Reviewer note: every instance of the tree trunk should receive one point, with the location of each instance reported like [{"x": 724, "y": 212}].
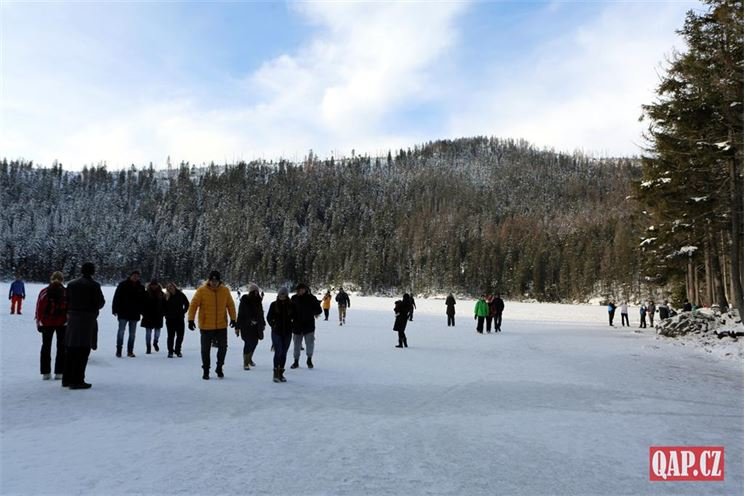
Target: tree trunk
[{"x": 736, "y": 254}]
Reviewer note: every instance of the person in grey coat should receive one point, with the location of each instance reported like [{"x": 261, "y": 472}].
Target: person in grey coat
[{"x": 84, "y": 300}]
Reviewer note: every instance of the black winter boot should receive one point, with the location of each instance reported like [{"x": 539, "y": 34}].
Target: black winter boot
[
  {"x": 206, "y": 375},
  {"x": 219, "y": 373},
  {"x": 294, "y": 365},
  {"x": 309, "y": 363},
  {"x": 276, "y": 375},
  {"x": 118, "y": 351},
  {"x": 282, "y": 375}
]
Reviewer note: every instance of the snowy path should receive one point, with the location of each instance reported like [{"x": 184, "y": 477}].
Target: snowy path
[{"x": 557, "y": 404}]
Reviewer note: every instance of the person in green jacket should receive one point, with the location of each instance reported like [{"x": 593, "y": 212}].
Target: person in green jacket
[{"x": 479, "y": 313}]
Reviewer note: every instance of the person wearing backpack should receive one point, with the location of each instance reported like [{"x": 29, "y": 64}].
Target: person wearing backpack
[
  {"x": 342, "y": 301},
  {"x": 51, "y": 319}
]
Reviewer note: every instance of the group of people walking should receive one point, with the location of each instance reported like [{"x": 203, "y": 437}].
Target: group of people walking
[
  {"x": 646, "y": 312},
  {"x": 71, "y": 313}
]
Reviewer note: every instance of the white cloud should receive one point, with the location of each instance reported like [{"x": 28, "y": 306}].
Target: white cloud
[
  {"x": 334, "y": 93},
  {"x": 583, "y": 90}
]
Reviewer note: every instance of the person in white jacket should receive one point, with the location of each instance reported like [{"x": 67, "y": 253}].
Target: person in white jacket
[{"x": 624, "y": 313}]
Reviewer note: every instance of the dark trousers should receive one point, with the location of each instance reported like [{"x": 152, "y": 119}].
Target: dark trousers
[
  {"x": 249, "y": 343},
  {"x": 76, "y": 360},
  {"x": 326, "y": 313},
  {"x": 480, "y": 324},
  {"x": 402, "y": 339},
  {"x": 45, "y": 362},
  {"x": 625, "y": 318},
  {"x": 650, "y": 316},
  {"x": 643, "y": 322},
  {"x": 206, "y": 338},
  {"x": 175, "y": 329},
  {"x": 488, "y": 323},
  {"x": 411, "y": 315},
  {"x": 281, "y": 343},
  {"x": 451, "y": 320},
  {"x": 498, "y": 321},
  {"x": 611, "y": 316}
]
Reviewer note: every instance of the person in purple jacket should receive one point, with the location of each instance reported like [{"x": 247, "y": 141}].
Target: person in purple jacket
[{"x": 16, "y": 295}]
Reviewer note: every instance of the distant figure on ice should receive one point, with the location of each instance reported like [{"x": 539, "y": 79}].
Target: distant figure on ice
[
  {"x": 250, "y": 325},
  {"x": 687, "y": 307},
  {"x": 624, "y": 314},
  {"x": 413, "y": 306},
  {"x": 215, "y": 304},
  {"x": 153, "y": 310},
  {"x": 611, "y": 312},
  {"x": 326, "y": 305},
  {"x": 450, "y": 309},
  {"x": 643, "y": 316},
  {"x": 129, "y": 298},
  {"x": 16, "y": 295},
  {"x": 307, "y": 309},
  {"x": 342, "y": 301},
  {"x": 650, "y": 312},
  {"x": 51, "y": 318},
  {"x": 176, "y": 306},
  {"x": 84, "y": 300},
  {"x": 664, "y": 310},
  {"x": 499, "y": 306},
  {"x": 279, "y": 317},
  {"x": 490, "y": 315},
  {"x": 402, "y": 309},
  {"x": 480, "y": 312}
]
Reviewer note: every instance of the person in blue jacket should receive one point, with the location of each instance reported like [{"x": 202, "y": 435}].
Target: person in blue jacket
[{"x": 16, "y": 295}]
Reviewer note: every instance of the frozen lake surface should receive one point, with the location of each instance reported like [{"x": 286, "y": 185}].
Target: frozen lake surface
[{"x": 558, "y": 403}]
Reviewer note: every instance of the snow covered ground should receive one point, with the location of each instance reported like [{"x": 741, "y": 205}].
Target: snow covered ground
[{"x": 559, "y": 403}]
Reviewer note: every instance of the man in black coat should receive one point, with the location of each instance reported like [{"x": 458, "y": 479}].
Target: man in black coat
[
  {"x": 306, "y": 308},
  {"x": 499, "y": 308},
  {"x": 342, "y": 301},
  {"x": 84, "y": 300},
  {"x": 127, "y": 307}
]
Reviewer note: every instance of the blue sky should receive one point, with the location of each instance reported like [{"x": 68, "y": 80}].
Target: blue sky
[{"x": 136, "y": 82}]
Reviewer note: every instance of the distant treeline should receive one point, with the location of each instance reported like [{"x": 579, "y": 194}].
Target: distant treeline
[{"x": 466, "y": 215}]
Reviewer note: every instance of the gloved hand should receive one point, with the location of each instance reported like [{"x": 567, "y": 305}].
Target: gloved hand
[
  {"x": 232, "y": 324},
  {"x": 38, "y": 327},
  {"x": 237, "y": 333},
  {"x": 192, "y": 325},
  {"x": 474, "y": 317}
]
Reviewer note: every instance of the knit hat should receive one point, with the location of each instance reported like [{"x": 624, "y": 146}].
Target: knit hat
[
  {"x": 215, "y": 275},
  {"x": 57, "y": 277},
  {"x": 282, "y": 291},
  {"x": 134, "y": 272},
  {"x": 302, "y": 286},
  {"x": 253, "y": 287}
]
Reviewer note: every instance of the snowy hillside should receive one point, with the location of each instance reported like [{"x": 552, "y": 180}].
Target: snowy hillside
[{"x": 558, "y": 403}]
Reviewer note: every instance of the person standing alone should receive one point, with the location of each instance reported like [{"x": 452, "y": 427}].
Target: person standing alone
[
  {"x": 450, "y": 305},
  {"x": 215, "y": 304},
  {"x": 129, "y": 298},
  {"x": 402, "y": 310},
  {"x": 84, "y": 300},
  {"x": 342, "y": 301},
  {"x": 16, "y": 295}
]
